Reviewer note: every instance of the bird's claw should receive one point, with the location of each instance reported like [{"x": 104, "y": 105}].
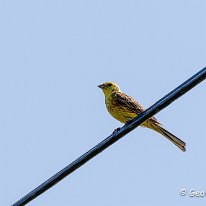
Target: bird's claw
[{"x": 116, "y": 130}]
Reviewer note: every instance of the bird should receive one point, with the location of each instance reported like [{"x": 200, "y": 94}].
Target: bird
[{"x": 125, "y": 108}]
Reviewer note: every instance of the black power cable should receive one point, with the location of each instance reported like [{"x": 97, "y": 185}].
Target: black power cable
[{"x": 155, "y": 108}]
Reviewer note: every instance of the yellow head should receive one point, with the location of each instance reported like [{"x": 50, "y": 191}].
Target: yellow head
[{"x": 109, "y": 87}]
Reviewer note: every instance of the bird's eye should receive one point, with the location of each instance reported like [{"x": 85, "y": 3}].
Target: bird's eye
[{"x": 109, "y": 85}]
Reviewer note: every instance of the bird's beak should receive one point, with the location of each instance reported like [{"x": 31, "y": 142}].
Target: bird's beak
[{"x": 101, "y": 86}]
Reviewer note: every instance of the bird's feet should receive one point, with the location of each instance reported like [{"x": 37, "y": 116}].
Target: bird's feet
[{"x": 116, "y": 130}]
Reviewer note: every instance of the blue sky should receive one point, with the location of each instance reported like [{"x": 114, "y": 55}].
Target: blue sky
[{"x": 53, "y": 56}]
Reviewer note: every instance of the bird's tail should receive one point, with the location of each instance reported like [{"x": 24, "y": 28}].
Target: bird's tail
[{"x": 175, "y": 140}]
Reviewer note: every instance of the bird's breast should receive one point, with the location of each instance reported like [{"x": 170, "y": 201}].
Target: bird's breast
[{"x": 117, "y": 111}]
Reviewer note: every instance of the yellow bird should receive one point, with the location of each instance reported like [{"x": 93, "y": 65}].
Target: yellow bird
[{"x": 124, "y": 108}]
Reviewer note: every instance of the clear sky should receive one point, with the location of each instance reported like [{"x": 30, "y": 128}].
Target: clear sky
[{"x": 53, "y": 56}]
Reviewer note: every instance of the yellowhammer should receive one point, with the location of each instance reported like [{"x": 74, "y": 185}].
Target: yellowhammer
[{"x": 124, "y": 108}]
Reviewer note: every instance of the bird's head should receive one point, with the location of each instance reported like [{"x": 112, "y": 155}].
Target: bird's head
[{"x": 109, "y": 87}]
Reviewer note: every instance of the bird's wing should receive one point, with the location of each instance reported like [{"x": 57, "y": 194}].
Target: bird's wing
[
  {"x": 132, "y": 105},
  {"x": 128, "y": 102}
]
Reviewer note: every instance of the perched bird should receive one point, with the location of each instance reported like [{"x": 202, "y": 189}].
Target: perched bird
[{"x": 124, "y": 108}]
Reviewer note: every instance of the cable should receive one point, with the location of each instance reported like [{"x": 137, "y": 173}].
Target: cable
[{"x": 155, "y": 108}]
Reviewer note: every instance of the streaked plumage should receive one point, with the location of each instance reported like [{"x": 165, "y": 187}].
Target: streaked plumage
[{"x": 124, "y": 108}]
